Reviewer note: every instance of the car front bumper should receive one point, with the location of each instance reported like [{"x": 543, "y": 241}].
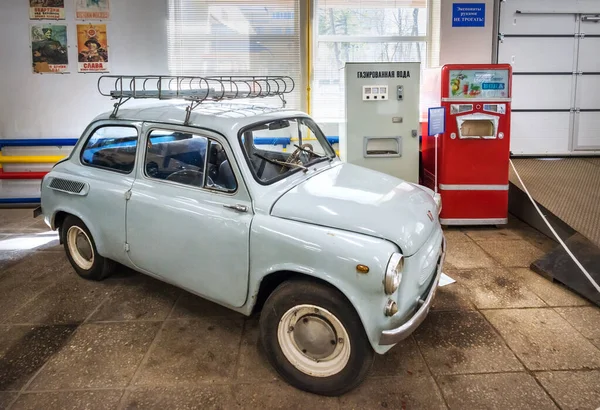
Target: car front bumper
[{"x": 393, "y": 336}]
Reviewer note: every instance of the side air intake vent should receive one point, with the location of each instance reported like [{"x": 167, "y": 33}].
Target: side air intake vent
[{"x": 66, "y": 185}]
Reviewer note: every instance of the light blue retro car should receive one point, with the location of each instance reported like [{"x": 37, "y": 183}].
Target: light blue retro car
[{"x": 343, "y": 262}]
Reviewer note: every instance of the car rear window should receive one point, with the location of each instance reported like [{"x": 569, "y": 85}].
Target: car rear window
[{"x": 111, "y": 147}]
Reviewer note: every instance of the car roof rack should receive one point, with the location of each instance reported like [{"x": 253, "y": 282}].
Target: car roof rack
[{"x": 194, "y": 89}]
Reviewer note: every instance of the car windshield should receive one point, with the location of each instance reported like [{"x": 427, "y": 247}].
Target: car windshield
[{"x": 277, "y": 148}]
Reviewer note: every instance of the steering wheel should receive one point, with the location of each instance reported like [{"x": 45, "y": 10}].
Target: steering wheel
[
  {"x": 295, "y": 156},
  {"x": 187, "y": 176},
  {"x": 152, "y": 169}
]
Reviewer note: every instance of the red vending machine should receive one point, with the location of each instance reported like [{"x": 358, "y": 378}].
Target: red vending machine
[{"x": 473, "y": 152}]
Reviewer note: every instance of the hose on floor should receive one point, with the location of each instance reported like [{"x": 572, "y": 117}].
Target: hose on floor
[{"x": 579, "y": 265}]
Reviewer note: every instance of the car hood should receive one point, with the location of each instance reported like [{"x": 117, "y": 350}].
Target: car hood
[{"x": 360, "y": 200}]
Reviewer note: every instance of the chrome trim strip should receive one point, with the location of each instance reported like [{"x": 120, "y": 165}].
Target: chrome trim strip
[
  {"x": 393, "y": 336},
  {"x": 473, "y": 187},
  {"x": 466, "y": 221},
  {"x": 475, "y": 101}
]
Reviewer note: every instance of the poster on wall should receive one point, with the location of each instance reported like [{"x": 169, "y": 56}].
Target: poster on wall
[
  {"x": 92, "y": 9},
  {"x": 49, "y": 48},
  {"x": 47, "y": 9},
  {"x": 92, "y": 48}
]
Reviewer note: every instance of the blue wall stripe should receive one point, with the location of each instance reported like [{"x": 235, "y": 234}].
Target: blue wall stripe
[
  {"x": 19, "y": 200},
  {"x": 42, "y": 142}
]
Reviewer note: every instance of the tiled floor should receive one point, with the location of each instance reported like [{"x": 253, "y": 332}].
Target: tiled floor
[{"x": 501, "y": 337}]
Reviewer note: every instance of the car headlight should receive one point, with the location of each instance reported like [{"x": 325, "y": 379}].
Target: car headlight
[{"x": 393, "y": 273}]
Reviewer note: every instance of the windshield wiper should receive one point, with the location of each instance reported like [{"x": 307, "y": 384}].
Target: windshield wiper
[
  {"x": 309, "y": 151},
  {"x": 285, "y": 164}
]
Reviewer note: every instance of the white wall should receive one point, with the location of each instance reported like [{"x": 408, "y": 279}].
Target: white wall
[
  {"x": 61, "y": 105},
  {"x": 466, "y": 45}
]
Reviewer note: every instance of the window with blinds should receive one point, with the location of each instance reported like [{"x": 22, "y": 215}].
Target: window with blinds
[
  {"x": 228, "y": 37},
  {"x": 364, "y": 31}
]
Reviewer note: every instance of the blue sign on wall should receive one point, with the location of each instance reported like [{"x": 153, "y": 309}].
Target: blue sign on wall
[
  {"x": 468, "y": 15},
  {"x": 436, "y": 122}
]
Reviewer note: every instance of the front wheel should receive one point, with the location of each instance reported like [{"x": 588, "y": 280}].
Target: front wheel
[{"x": 314, "y": 339}]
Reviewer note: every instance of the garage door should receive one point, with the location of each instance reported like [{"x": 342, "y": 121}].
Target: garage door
[{"x": 553, "y": 48}]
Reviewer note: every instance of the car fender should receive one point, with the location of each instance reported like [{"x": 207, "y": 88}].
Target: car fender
[{"x": 327, "y": 254}]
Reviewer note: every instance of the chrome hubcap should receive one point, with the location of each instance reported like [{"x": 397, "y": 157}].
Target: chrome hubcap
[
  {"x": 314, "y": 340},
  {"x": 80, "y": 247},
  {"x": 83, "y": 246},
  {"x": 315, "y": 337}
]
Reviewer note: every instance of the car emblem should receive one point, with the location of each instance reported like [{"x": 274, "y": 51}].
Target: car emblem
[{"x": 430, "y": 215}]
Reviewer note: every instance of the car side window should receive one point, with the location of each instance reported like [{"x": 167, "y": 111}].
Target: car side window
[
  {"x": 111, "y": 147},
  {"x": 176, "y": 156},
  {"x": 220, "y": 174}
]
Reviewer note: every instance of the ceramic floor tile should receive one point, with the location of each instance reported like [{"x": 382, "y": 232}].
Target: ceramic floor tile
[
  {"x": 467, "y": 255},
  {"x": 585, "y": 319},
  {"x": 189, "y": 352},
  {"x": 68, "y": 301},
  {"x": 10, "y": 258},
  {"x": 405, "y": 392},
  {"x": 69, "y": 400},
  {"x": 138, "y": 298},
  {"x": 279, "y": 395},
  {"x": 454, "y": 235},
  {"x": 253, "y": 364},
  {"x": 457, "y": 342},
  {"x": 553, "y": 294},
  {"x": 573, "y": 389},
  {"x": 161, "y": 398},
  {"x": 453, "y": 296},
  {"x": 517, "y": 253},
  {"x": 543, "y": 340},
  {"x": 495, "y": 287},
  {"x": 6, "y": 398},
  {"x": 14, "y": 220},
  {"x": 515, "y": 391},
  {"x": 486, "y": 233},
  {"x": 402, "y": 359},
  {"x": 190, "y": 306},
  {"x": 25, "y": 349},
  {"x": 16, "y": 295},
  {"x": 100, "y": 355}
]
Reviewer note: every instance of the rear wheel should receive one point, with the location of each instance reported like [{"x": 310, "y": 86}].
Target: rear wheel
[
  {"x": 81, "y": 251},
  {"x": 314, "y": 339}
]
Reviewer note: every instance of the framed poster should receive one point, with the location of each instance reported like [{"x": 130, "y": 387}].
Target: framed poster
[
  {"x": 47, "y": 9},
  {"x": 49, "y": 48},
  {"x": 92, "y": 9},
  {"x": 92, "y": 48}
]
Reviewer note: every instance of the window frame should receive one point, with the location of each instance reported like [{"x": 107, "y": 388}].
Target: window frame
[
  {"x": 105, "y": 125},
  {"x": 194, "y": 131},
  {"x": 316, "y": 39},
  {"x": 292, "y": 171}
]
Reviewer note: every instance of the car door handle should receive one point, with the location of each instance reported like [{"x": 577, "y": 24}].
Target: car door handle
[{"x": 237, "y": 207}]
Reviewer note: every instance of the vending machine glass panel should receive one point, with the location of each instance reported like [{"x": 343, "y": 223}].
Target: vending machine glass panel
[{"x": 478, "y": 84}]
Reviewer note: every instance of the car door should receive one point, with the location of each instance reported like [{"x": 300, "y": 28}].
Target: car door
[
  {"x": 107, "y": 158},
  {"x": 189, "y": 214}
]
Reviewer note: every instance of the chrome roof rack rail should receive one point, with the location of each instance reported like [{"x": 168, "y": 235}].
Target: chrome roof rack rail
[{"x": 194, "y": 89}]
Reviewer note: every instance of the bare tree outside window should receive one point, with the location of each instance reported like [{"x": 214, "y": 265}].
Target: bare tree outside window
[{"x": 371, "y": 32}]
